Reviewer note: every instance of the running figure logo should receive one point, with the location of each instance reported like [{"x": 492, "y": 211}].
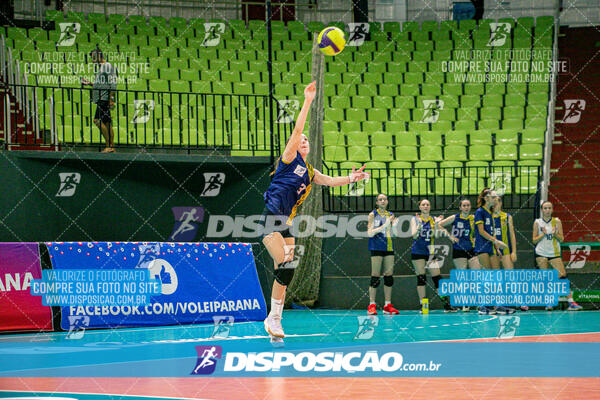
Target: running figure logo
[
  {"x": 212, "y": 35},
  {"x": 68, "y": 33},
  {"x": 499, "y": 31},
  {"x": 68, "y": 183},
  {"x": 438, "y": 253},
  {"x": 77, "y": 325},
  {"x": 579, "y": 255},
  {"x": 573, "y": 109},
  {"x": 143, "y": 110},
  {"x": 500, "y": 182},
  {"x": 431, "y": 111},
  {"x": 207, "y": 359},
  {"x": 287, "y": 111},
  {"x": 358, "y": 33},
  {"x": 148, "y": 253},
  {"x": 223, "y": 324},
  {"x": 187, "y": 220},
  {"x": 366, "y": 327},
  {"x": 212, "y": 183},
  {"x": 298, "y": 252},
  {"x": 508, "y": 326}
]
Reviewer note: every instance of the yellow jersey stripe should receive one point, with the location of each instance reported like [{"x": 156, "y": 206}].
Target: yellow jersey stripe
[
  {"x": 554, "y": 239},
  {"x": 311, "y": 175}
]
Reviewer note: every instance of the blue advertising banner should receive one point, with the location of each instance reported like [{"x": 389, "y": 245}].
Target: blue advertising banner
[{"x": 119, "y": 284}]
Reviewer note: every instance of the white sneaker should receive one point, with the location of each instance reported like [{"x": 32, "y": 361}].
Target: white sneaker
[{"x": 273, "y": 326}]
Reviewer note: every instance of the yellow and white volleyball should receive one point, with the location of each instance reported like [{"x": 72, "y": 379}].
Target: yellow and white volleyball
[{"x": 331, "y": 40}]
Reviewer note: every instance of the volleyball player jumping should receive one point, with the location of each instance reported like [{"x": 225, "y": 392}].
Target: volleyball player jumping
[{"x": 292, "y": 182}]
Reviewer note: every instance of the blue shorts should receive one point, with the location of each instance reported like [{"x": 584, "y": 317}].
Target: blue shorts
[
  {"x": 270, "y": 228},
  {"x": 487, "y": 248}
]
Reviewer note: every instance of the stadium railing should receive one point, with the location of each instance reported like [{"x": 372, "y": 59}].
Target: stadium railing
[
  {"x": 236, "y": 123},
  {"x": 443, "y": 187}
]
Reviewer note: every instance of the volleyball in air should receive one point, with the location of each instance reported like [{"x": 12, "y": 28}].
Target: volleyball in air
[{"x": 331, "y": 40}]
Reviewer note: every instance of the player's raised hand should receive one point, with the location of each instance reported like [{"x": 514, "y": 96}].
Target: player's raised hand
[
  {"x": 310, "y": 91},
  {"x": 358, "y": 175},
  {"x": 419, "y": 224}
]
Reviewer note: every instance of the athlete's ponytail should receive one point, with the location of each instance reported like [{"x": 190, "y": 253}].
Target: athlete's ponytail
[
  {"x": 481, "y": 198},
  {"x": 275, "y": 166}
]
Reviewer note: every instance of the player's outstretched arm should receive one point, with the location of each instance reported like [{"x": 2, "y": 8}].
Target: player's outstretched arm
[
  {"x": 294, "y": 142},
  {"x": 333, "y": 181},
  {"x": 446, "y": 221}
]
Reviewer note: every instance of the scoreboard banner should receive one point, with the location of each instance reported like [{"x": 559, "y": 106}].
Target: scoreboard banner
[
  {"x": 19, "y": 310},
  {"x": 129, "y": 284}
]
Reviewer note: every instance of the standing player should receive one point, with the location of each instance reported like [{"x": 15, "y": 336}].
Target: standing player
[
  {"x": 291, "y": 183},
  {"x": 381, "y": 247},
  {"x": 423, "y": 228},
  {"x": 504, "y": 231},
  {"x": 547, "y": 235},
  {"x": 485, "y": 241},
  {"x": 463, "y": 238}
]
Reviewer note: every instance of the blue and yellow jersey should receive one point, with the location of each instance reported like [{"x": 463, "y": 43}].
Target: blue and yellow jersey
[
  {"x": 424, "y": 242},
  {"x": 502, "y": 232},
  {"x": 464, "y": 230},
  {"x": 289, "y": 188},
  {"x": 484, "y": 216},
  {"x": 383, "y": 240}
]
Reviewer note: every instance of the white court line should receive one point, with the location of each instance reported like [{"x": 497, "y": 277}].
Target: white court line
[
  {"x": 515, "y": 337},
  {"x": 230, "y": 338},
  {"x": 99, "y": 394}
]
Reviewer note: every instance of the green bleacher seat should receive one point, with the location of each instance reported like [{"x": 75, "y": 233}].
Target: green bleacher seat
[
  {"x": 451, "y": 168},
  {"x": 446, "y": 186},
  {"x": 507, "y": 137},
  {"x": 358, "y": 153},
  {"x": 531, "y": 152},
  {"x": 505, "y": 152},
  {"x": 392, "y": 187},
  {"x": 382, "y": 153},
  {"x": 418, "y": 187},
  {"x": 382, "y": 139},
  {"x": 356, "y": 138},
  {"x": 472, "y": 185},
  {"x": 431, "y": 153},
  {"x": 406, "y": 153},
  {"x": 526, "y": 184}
]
